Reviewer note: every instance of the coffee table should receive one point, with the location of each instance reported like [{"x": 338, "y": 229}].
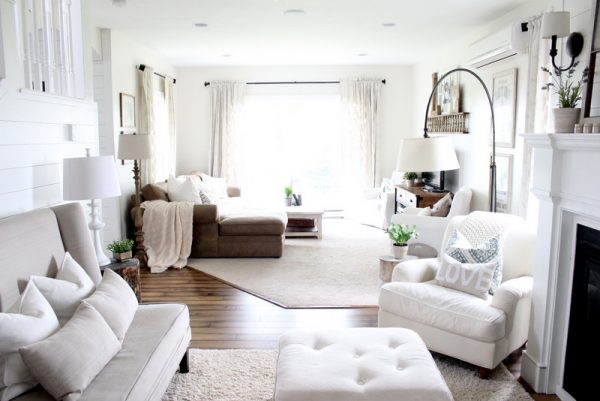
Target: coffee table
[{"x": 309, "y": 213}]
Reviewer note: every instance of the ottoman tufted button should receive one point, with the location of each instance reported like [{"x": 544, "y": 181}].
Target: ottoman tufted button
[
  {"x": 355, "y": 356},
  {"x": 360, "y": 382},
  {"x": 399, "y": 368}
]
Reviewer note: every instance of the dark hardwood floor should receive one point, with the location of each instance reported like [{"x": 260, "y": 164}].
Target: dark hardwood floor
[{"x": 224, "y": 317}]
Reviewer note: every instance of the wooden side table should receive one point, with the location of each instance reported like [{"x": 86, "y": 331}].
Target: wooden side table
[
  {"x": 130, "y": 271},
  {"x": 387, "y": 263}
]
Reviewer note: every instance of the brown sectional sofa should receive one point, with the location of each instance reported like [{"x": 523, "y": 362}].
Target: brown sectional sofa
[{"x": 239, "y": 234}]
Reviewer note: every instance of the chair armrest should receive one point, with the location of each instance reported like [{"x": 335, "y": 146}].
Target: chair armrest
[
  {"x": 234, "y": 191},
  {"x": 508, "y": 294},
  {"x": 371, "y": 193},
  {"x": 416, "y": 270},
  {"x": 206, "y": 214},
  {"x": 412, "y": 211}
]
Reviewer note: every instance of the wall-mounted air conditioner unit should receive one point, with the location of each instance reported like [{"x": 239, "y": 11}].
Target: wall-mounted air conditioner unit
[{"x": 498, "y": 46}]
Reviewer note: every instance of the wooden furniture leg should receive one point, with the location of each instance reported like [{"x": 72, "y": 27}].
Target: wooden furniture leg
[
  {"x": 184, "y": 365},
  {"x": 484, "y": 373}
]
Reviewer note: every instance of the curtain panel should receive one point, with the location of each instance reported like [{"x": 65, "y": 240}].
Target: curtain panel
[
  {"x": 147, "y": 123},
  {"x": 170, "y": 103},
  {"x": 227, "y": 99},
  {"x": 360, "y": 99}
]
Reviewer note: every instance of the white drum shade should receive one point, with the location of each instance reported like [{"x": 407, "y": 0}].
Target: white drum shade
[
  {"x": 134, "y": 147},
  {"x": 90, "y": 178},
  {"x": 556, "y": 23},
  {"x": 427, "y": 154}
]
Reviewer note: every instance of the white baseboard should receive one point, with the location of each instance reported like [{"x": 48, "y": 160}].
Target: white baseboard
[{"x": 535, "y": 374}]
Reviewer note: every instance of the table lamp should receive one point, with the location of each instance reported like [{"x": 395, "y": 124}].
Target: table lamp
[
  {"x": 137, "y": 148},
  {"x": 91, "y": 177}
]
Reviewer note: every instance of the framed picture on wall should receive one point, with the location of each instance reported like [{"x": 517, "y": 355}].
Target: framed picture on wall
[
  {"x": 127, "y": 106},
  {"x": 448, "y": 94},
  {"x": 504, "y": 173},
  {"x": 505, "y": 101}
]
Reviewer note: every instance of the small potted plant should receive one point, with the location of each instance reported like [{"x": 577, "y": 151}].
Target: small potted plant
[
  {"x": 400, "y": 234},
  {"x": 289, "y": 191},
  {"x": 410, "y": 178},
  {"x": 121, "y": 250},
  {"x": 569, "y": 94}
]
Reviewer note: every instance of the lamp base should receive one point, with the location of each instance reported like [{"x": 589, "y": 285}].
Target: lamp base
[{"x": 96, "y": 226}]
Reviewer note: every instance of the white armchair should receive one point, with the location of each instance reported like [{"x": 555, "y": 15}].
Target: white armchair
[
  {"x": 377, "y": 207},
  {"x": 454, "y": 323},
  {"x": 431, "y": 228}
]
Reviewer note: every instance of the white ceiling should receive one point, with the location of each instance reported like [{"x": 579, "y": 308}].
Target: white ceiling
[{"x": 257, "y": 32}]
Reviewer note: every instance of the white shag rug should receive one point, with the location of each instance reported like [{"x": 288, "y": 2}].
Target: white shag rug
[
  {"x": 341, "y": 270},
  {"x": 249, "y": 375}
]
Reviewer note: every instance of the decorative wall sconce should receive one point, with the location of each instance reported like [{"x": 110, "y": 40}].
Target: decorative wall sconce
[{"x": 556, "y": 24}]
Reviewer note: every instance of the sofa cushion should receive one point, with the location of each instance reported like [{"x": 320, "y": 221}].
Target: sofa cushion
[
  {"x": 150, "y": 354},
  {"x": 66, "y": 362},
  {"x": 444, "y": 308},
  {"x": 115, "y": 301},
  {"x": 253, "y": 224},
  {"x": 152, "y": 192}
]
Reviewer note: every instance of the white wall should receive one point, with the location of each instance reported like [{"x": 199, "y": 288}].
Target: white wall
[
  {"x": 194, "y": 112},
  {"x": 38, "y": 130},
  {"x": 115, "y": 72},
  {"x": 474, "y": 149}
]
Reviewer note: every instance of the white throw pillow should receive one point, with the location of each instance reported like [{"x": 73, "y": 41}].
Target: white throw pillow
[
  {"x": 71, "y": 285},
  {"x": 182, "y": 189},
  {"x": 215, "y": 186},
  {"x": 66, "y": 362},
  {"x": 29, "y": 320},
  {"x": 115, "y": 301},
  {"x": 424, "y": 212},
  {"x": 472, "y": 278}
]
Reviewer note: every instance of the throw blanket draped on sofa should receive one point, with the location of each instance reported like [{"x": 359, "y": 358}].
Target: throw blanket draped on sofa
[{"x": 167, "y": 234}]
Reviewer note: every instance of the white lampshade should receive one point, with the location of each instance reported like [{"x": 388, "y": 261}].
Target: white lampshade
[
  {"x": 556, "y": 23},
  {"x": 90, "y": 178},
  {"x": 134, "y": 147},
  {"x": 427, "y": 154}
]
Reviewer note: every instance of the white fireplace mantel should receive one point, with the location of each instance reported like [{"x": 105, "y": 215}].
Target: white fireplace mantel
[{"x": 566, "y": 180}]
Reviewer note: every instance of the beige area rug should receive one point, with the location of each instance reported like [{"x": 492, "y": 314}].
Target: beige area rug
[
  {"x": 249, "y": 375},
  {"x": 341, "y": 270}
]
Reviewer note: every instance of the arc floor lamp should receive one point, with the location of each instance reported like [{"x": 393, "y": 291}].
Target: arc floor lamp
[{"x": 492, "y": 188}]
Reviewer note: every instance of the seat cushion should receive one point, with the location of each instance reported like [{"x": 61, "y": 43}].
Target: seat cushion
[
  {"x": 444, "y": 308},
  {"x": 248, "y": 223},
  {"x": 357, "y": 364}
]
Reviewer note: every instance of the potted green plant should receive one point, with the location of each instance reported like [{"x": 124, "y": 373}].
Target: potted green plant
[
  {"x": 121, "y": 249},
  {"x": 288, "y": 191},
  {"x": 400, "y": 234},
  {"x": 410, "y": 178},
  {"x": 569, "y": 93}
]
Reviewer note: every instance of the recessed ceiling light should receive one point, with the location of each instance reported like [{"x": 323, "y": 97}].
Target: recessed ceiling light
[
  {"x": 226, "y": 55},
  {"x": 294, "y": 11},
  {"x": 362, "y": 54},
  {"x": 388, "y": 24},
  {"x": 201, "y": 24}
]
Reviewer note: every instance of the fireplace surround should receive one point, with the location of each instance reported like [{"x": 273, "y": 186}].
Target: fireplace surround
[{"x": 564, "y": 170}]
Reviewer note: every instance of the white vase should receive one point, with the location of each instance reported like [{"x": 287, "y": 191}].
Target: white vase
[
  {"x": 565, "y": 119},
  {"x": 399, "y": 251}
]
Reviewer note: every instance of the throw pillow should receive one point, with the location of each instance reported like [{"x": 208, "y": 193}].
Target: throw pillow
[
  {"x": 115, "y": 301},
  {"x": 215, "y": 186},
  {"x": 66, "y": 362},
  {"x": 182, "y": 189},
  {"x": 442, "y": 207},
  {"x": 67, "y": 290},
  {"x": 472, "y": 278},
  {"x": 424, "y": 212},
  {"x": 204, "y": 197},
  {"x": 488, "y": 251},
  {"x": 29, "y": 320}
]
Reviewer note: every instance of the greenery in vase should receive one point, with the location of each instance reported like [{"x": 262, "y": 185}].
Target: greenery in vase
[
  {"x": 401, "y": 233},
  {"x": 120, "y": 246},
  {"x": 288, "y": 190},
  {"x": 409, "y": 175},
  {"x": 568, "y": 90}
]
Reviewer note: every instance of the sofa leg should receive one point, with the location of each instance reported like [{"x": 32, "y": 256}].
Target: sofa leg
[
  {"x": 184, "y": 365},
  {"x": 484, "y": 373}
]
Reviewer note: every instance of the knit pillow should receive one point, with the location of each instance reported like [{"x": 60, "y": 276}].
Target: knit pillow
[{"x": 488, "y": 251}]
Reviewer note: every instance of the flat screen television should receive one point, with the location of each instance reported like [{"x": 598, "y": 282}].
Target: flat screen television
[{"x": 433, "y": 180}]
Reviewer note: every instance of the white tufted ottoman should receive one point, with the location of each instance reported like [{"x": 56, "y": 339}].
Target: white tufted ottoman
[{"x": 366, "y": 364}]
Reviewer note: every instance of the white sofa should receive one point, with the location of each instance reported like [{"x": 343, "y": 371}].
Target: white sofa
[
  {"x": 482, "y": 332},
  {"x": 431, "y": 228},
  {"x": 156, "y": 343}
]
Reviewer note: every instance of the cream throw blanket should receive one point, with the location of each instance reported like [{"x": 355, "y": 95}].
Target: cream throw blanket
[{"x": 167, "y": 234}]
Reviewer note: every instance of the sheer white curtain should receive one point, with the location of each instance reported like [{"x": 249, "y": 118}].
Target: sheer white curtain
[
  {"x": 537, "y": 105},
  {"x": 170, "y": 106},
  {"x": 227, "y": 99},
  {"x": 147, "y": 122},
  {"x": 360, "y": 101},
  {"x": 164, "y": 129}
]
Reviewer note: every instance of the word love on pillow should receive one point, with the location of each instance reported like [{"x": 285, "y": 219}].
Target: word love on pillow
[{"x": 472, "y": 278}]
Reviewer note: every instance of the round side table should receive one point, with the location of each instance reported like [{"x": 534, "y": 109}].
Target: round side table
[
  {"x": 387, "y": 264},
  {"x": 130, "y": 271}
]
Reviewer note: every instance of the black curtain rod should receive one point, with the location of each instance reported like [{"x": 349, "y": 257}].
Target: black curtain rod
[
  {"x": 142, "y": 67},
  {"x": 291, "y": 82}
]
